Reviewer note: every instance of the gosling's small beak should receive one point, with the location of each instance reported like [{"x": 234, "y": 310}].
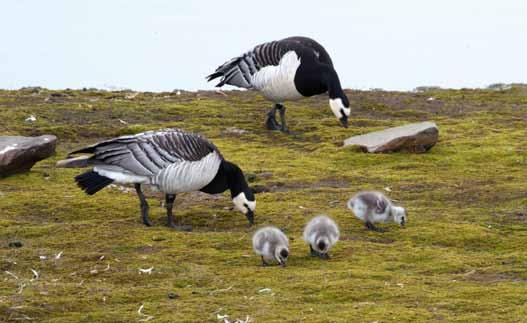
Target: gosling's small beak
[
  {"x": 250, "y": 216},
  {"x": 344, "y": 121}
]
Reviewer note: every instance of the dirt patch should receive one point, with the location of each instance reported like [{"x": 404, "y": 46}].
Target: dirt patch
[
  {"x": 148, "y": 249},
  {"x": 515, "y": 216},
  {"x": 381, "y": 240},
  {"x": 296, "y": 186},
  {"x": 486, "y": 277}
]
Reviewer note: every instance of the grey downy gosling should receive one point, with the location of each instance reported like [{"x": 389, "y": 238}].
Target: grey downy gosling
[
  {"x": 172, "y": 161},
  {"x": 373, "y": 207},
  {"x": 321, "y": 233},
  {"x": 272, "y": 245}
]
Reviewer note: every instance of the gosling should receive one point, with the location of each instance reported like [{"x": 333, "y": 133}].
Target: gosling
[
  {"x": 272, "y": 245},
  {"x": 321, "y": 233},
  {"x": 373, "y": 207}
]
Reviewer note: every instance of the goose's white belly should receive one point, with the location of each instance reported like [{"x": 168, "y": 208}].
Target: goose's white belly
[{"x": 277, "y": 83}]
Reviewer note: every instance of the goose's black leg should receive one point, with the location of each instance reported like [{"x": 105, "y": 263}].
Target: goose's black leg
[
  {"x": 144, "y": 205},
  {"x": 371, "y": 227},
  {"x": 281, "y": 110},
  {"x": 271, "y": 122},
  {"x": 324, "y": 256},
  {"x": 169, "y": 201}
]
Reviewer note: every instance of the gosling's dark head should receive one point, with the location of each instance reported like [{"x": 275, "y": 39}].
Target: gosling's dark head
[
  {"x": 322, "y": 245},
  {"x": 281, "y": 255}
]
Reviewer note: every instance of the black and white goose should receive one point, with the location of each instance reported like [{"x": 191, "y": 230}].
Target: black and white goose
[
  {"x": 287, "y": 69},
  {"x": 172, "y": 160}
]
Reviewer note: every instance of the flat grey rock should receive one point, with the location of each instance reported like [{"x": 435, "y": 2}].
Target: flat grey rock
[
  {"x": 415, "y": 137},
  {"x": 18, "y": 154}
]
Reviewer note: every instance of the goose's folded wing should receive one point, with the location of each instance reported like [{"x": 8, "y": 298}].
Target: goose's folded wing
[
  {"x": 239, "y": 70},
  {"x": 147, "y": 153}
]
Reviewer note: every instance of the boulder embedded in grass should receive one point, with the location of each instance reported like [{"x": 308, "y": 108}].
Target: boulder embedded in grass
[
  {"x": 18, "y": 154},
  {"x": 415, "y": 137}
]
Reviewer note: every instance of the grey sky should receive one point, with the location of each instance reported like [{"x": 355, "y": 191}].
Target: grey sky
[{"x": 163, "y": 45}]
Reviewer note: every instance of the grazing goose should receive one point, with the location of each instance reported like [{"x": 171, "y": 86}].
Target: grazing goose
[
  {"x": 272, "y": 245},
  {"x": 172, "y": 160},
  {"x": 321, "y": 233},
  {"x": 287, "y": 69},
  {"x": 372, "y": 207}
]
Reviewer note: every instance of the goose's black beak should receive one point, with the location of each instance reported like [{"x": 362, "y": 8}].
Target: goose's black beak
[
  {"x": 403, "y": 223},
  {"x": 344, "y": 121},
  {"x": 250, "y": 217}
]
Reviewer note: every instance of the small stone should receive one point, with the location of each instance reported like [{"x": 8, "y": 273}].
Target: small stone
[
  {"x": 173, "y": 296},
  {"x": 156, "y": 238},
  {"x": 251, "y": 177},
  {"x": 415, "y": 137},
  {"x": 265, "y": 175},
  {"x": 260, "y": 189},
  {"x": 15, "y": 244},
  {"x": 31, "y": 118},
  {"x": 235, "y": 131}
]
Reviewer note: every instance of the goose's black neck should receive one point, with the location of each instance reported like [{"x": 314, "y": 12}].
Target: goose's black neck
[
  {"x": 219, "y": 183},
  {"x": 317, "y": 78},
  {"x": 334, "y": 88},
  {"x": 229, "y": 176}
]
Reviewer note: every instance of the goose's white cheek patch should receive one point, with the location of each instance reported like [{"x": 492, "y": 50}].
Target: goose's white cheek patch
[
  {"x": 337, "y": 107},
  {"x": 240, "y": 201}
]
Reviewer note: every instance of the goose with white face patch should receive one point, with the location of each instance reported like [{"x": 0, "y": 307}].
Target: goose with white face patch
[
  {"x": 287, "y": 69},
  {"x": 272, "y": 245},
  {"x": 373, "y": 207},
  {"x": 172, "y": 161},
  {"x": 321, "y": 233}
]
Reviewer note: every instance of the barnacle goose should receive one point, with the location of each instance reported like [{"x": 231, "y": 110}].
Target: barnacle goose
[
  {"x": 272, "y": 245},
  {"x": 373, "y": 207},
  {"x": 287, "y": 69},
  {"x": 321, "y": 233},
  {"x": 172, "y": 160}
]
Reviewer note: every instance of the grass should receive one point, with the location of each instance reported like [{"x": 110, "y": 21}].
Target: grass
[{"x": 461, "y": 257}]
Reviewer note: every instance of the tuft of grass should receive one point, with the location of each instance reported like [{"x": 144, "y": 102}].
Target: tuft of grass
[{"x": 460, "y": 259}]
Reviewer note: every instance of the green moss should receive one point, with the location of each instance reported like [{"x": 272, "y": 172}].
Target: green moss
[{"x": 460, "y": 258}]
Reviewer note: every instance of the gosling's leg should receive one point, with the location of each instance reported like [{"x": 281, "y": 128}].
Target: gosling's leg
[
  {"x": 371, "y": 227},
  {"x": 169, "y": 201},
  {"x": 144, "y": 205},
  {"x": 312, "y": 252},
  {"x": 264, "y": 263}
]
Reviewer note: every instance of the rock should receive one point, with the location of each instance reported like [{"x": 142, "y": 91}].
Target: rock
[
  {"x": 31, "y": 118},
  {"x": 15, "y": 244},
  {"x": 18, "y": 154},
  {"x": 173, "y": 295},
  {"x": 257, "y": 189},
  {"x": 415, "y": 137},
  {"x": 250, "y": 177},
  {"x": 235, "y": 131}
]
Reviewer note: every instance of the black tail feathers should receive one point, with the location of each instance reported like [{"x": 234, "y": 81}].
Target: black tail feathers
[{"x": 91, "y": 182}]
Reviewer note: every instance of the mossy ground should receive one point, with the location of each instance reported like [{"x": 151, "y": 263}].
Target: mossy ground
[{"x": 461, "y": 258}]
